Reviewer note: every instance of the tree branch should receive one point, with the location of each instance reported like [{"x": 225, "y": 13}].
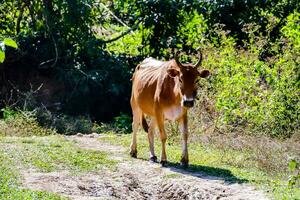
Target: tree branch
[
  {"x": 123, "y": 34},
  {"x": 20, "y": 18},
  {"x": 112, "y": 14}
]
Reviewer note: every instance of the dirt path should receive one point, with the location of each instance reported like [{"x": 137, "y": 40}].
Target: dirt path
[{"x": 136, "y": 179}]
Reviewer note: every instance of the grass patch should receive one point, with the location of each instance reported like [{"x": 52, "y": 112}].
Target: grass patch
[
  {"x": 171, "y": 176},
  {"x": 230, "y": 164},
  {"x": 25, "y": 144},
  {"x": 10, "y": 187},
  {"x": 52, "y": 153}
]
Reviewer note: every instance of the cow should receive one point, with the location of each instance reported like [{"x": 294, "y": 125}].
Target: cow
[{"x": 163, "y": 90}]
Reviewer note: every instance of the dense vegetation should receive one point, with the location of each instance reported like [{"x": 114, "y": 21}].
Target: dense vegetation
[{"x": 76, "y": 57}]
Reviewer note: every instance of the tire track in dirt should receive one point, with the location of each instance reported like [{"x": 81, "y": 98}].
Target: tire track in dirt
[{"x": 135, "y": 179}]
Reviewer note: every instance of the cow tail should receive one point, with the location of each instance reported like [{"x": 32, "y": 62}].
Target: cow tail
[{"x": 144, "y": 124}]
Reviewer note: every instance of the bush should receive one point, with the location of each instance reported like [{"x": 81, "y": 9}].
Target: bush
[
  {"x": 122, "y": 123},
  {"x": 248, "y": 92},
  {"x": 22, "y": 123}
]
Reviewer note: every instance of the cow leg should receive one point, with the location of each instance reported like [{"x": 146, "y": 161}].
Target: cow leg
[
  {"x": 184, "y": 129},
  {"x": 133, "y": 146},
  {"x": 163, "y": 138},
  {"x": 135, "y": 126},
  {"x": 151, "y": 133}
]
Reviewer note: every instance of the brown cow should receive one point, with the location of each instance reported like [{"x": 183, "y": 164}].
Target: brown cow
[{"x": 163, "y": 90}]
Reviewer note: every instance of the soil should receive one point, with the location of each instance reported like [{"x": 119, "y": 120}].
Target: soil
[{"x": 135, "y": 179}]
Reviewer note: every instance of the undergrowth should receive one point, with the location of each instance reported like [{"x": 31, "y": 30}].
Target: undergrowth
[{"x": 21, "y": 123}]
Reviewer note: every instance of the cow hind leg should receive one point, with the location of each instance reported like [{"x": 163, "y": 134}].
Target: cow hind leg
[
  {"x": 133, "y": 146},
  {"x": 135, "y": 126},
  {"x": 151, "y": 133}
]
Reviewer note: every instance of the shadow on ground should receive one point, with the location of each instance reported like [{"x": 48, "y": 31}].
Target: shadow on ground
[{"x": 201, "y": 171}]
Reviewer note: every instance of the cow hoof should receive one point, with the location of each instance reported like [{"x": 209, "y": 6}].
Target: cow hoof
[
  {"x": 164, "y": 163},
  {"x": 153, "y": 159},
  {"x": 184, "y": 164},
  {"x": 133, "y": 154}
]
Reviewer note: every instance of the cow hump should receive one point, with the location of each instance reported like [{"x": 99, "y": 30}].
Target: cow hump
[{"x": 151, "y": 62}]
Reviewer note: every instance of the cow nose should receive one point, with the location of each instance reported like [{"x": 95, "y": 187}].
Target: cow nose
[{"x": 188, "y": 103}]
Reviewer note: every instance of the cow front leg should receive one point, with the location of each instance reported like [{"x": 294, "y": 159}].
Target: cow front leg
[
  {"x": 184, "y": 130},
  {"x": 151, "y": 133},
  {"x": 163, "y": 138}
]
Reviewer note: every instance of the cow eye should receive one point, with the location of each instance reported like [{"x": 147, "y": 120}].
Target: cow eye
[{"x": 180, "y": 80}]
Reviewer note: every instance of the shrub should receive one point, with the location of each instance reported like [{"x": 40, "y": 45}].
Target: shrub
[
  {"x": 248, "y": 92},
  {"x": 122, "y": 123},
  {"x": 294, "y": 179},
  {"x": 22, "y": 123}
]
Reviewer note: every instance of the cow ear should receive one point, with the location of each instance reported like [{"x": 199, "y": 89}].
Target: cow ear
[
  {"x": 204, "y": 73},
  {"x": 173, "y": 72}
]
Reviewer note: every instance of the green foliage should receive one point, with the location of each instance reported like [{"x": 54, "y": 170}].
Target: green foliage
[
  {"x": 293, "y": 165},
  {"x": 193, "y": 31},
  {"x": 130, "y": 44},
  {"x": 262, "y": 95},
  {"x": 294, "y": 180},
  {"x": 6, "y": 42},
  {"x": 8, "y": 113},
  {"x": 21, "y": 123},
  {"x": 57, "y": 39},
  {"x": 122, "y": 123},
  {"x": 159, "y": 28},
  {"x": 64, "y": 123},
  {"x": 10, "y": 42},
  {"x": 252, "y": 49},
  {"x": 2, "y": 56}
]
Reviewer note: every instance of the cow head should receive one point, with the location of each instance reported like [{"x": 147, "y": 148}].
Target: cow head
[{"x": 186, "y": 77}]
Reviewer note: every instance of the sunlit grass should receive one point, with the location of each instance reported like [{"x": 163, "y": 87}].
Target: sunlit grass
[
  {"x": 45, "y": 154},
  {"x": 10, "y": 186},
  {"x": 53, "y": 153}
]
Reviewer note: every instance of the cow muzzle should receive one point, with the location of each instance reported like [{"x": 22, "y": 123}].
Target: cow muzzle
[{"x": 188, "y": 103}]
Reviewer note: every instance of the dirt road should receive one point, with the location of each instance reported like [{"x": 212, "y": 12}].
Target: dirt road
[{"x": 135, "y": 179}]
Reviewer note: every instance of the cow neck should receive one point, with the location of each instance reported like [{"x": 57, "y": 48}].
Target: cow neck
[{"x": 171, "y": 89}]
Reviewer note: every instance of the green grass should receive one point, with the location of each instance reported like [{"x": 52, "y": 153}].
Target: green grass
[
  {"x": 229, "y": 164},
  {"x": 172, "y": 176},
  {"x": 40, "y": 149},
  {"x": 45, "y": 154},
  {"x": 10, "y": 185},
  {"x": 51, "y": 153}
]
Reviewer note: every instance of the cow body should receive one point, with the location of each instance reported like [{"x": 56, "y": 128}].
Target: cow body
[
  {"x": 162, "y": 90},
  {"x": 153, "y": 87}
]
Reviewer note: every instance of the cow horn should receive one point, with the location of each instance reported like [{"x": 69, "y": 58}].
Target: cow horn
[
  {"x": 200, "y": 59},
  {"x": 177, "y": 58}
]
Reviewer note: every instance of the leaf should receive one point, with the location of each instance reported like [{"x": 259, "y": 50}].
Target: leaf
[
  {"x": 2, "y": 56},
  {"x": 10, "y": 42},
  {"x": 291, "y": 181},
  {"x": 2, "y": 46},
  {"x": 293, "y": 165}
]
